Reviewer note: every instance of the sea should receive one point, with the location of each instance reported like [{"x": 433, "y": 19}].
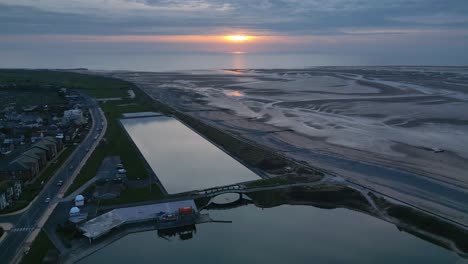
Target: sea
[{"x": 184, "y": 61}]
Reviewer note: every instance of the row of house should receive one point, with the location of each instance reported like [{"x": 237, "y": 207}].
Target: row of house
[
  {"x": 29, "y": 163},
  {"x": 9, "y": 191}
]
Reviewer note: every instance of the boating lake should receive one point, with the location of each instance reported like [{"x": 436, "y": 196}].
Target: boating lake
[
  {"x": 283, "y": 234},
  {"x": 182, "y": 159}
]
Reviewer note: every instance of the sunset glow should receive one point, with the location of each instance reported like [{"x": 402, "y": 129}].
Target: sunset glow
[{"x": 237, "y": 38}]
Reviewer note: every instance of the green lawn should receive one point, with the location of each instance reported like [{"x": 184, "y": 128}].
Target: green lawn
[
  {"x": 136, "y": 195},
  {"x": 40, "y": 80},
  {"x": 22, "y": 97},
  {"x": 39, "y": 249},
  {"x": 30, "y": 191}
]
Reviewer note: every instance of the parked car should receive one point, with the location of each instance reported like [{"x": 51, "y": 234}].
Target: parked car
[
  {"x": 60, "y": 183},
  {"x": 47, "y": 200}
]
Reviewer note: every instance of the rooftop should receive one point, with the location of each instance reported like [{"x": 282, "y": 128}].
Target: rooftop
[{"x": 102, "y": 224}]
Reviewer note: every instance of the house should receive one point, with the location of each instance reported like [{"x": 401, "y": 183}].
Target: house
[
  {"x": 23, "y": 167},
  {"x": 39, "y": 154},
  {"x": 73, "y": 115},
  {"x": 6, "y": 149},
  {"x": 9, "y": 192},
  {"x": 51, "y": 140},
  {"x": 31, "y": 120},
  {"x": 18, "y": 166},
  {"x": 3, "y": 201},
  {"x": 28, "y": 164},
  {"x": 49, "y": 145},
  {"x": 30, "y": 108},
  {"x": 36, "y": 136},
  {"x": 17, "y": 189},
  {"x": 12, "y": 116}
]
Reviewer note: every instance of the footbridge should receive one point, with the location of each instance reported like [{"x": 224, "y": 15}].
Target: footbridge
[{"x": 235, "y": 188}]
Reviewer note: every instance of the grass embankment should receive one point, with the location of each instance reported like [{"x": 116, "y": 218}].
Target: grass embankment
[
  {"x": 417, "y": 221},
  {"x": 30, "y": 191},
  {"x": 431, "y": 225},
  {"x": 322, "y": 196},
  {"x": 39, "y": 249},
  {"x": 282, "y": 180}
]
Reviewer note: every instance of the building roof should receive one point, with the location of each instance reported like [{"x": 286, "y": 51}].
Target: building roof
[
  {"x": 44, "y": 144},
  {"x": 35, "y": 153},
  {"x": 25, "y": 161},
  {"x": 49, "y": 139},
  {"x": 104, "y": 223},
  {"x": 74, "y": 210}
]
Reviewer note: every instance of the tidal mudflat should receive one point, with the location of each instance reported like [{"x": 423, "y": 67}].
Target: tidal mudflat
[{"x": 378, "y": 126}]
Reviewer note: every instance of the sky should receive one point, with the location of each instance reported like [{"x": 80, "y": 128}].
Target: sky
[{"x": 392, "y": 31}]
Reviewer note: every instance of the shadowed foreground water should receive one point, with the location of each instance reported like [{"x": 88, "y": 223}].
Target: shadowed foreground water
[{"x": 284, "y": 234}]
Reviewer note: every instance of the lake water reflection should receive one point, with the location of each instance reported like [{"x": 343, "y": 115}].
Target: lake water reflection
[
  {"x": 283, "y": 234},
  {"x": 182, "y": 159}
]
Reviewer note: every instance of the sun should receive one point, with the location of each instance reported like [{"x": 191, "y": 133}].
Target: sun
[{"x": 237, "y": 38}]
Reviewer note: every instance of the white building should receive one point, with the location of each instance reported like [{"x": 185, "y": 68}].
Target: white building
[
  {"x": 17, "y": 190},
  {"x": 74, "y": 211},
  {"x": 73, "y": 115},
  {"x": 79, "y": 200},
  {"x": 3, "y": 201}
]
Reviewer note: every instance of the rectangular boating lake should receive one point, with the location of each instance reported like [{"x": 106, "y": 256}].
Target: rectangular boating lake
[{"x": 182, "y": 159}]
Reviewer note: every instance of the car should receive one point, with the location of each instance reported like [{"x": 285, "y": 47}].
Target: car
[
  {"x": 26, "y": 250},
  {"x": 47, "y": 200},
  {"x": 60, "y": 183},
  {"x": 87, "y": 149}
]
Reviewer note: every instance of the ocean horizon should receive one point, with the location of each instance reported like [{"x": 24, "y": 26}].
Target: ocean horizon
[{"x": 195, "y": 61}]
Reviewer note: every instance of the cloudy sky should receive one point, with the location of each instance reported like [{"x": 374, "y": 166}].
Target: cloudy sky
[{"x": 427, "y": 31}]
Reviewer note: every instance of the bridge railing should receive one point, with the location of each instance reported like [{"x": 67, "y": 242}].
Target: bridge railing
[{"x": 220, "y": 190}]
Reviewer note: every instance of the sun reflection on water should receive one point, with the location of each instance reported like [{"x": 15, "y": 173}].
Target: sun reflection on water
[{"x": 234, "y": 93}]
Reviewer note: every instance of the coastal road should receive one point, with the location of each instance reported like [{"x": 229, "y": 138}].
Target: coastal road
[{"x": 26, "y": 221}]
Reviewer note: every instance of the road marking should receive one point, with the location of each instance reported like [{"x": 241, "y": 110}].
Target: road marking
[{"x": 22, "y": 229}]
